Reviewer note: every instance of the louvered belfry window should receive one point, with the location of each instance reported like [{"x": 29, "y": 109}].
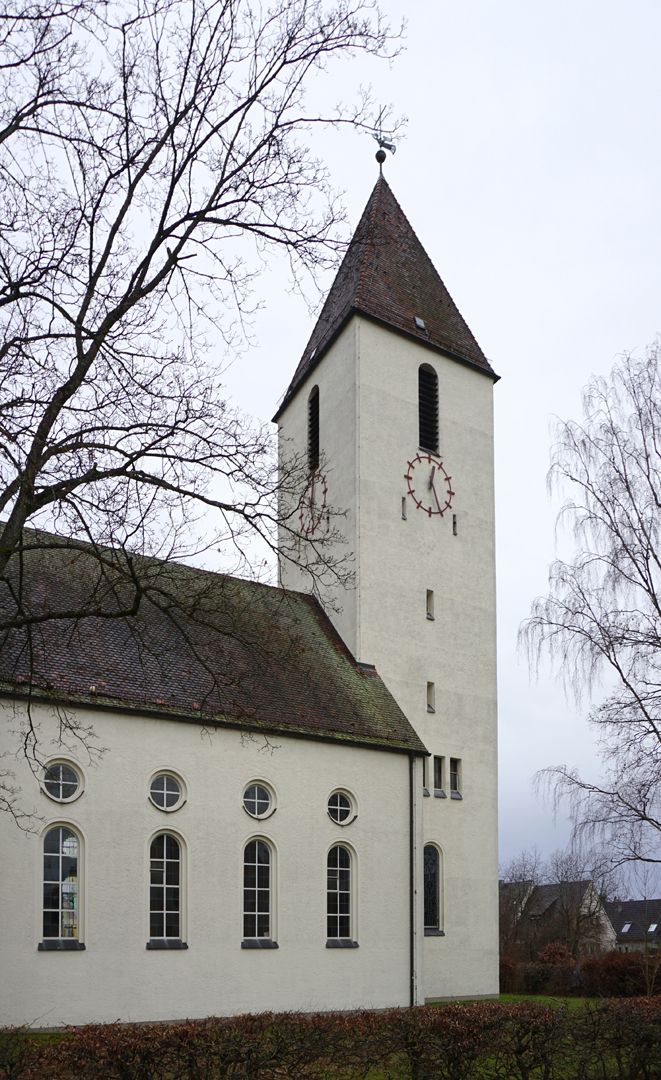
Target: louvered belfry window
[
  {"x": 313, "y": 430},
  {"x": 428, "y": 408}
]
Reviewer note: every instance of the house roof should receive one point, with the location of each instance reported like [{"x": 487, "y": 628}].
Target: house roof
[
  {"x": 639, "y": 915},
  {"x": 387, "y": 275},
  {"x": 544, "y": 897},
  {"x": 202, "y": 646}
]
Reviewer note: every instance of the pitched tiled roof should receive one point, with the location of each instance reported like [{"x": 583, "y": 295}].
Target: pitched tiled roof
[
  {"x": 544, "y": 897},
  {"x": 202, "y": 646},
  {"x": 639, "y": 915},
  {"x": 387, "y": 275}
]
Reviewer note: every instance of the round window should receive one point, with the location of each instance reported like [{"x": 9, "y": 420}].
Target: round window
[
  {"x": 61, "y": 782},
  {"x": 340, "y": 808},
  {"x": 166, "y": 791},
  {"x": 257, "y": 800}
]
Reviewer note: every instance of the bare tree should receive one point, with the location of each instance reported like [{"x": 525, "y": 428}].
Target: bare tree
[
  {"x": 154, "y": 154},
  {"x": 151, "y": 155},
  {"x": 517, "y": 881},
  {"x": 557, "y": 899},
  {"x": 602, "y": 617}
]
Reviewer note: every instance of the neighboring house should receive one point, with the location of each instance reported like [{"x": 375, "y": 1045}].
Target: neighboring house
[
  {"x": 295, "y": 808},
  {"x": 571, "y": 912},
  {"x": 636, "y": 923}
]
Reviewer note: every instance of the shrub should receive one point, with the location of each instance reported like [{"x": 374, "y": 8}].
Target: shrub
[
  {"x": 18, "y": 1052},
  {"x": 507, "y": 974},
  {"x": 532, "y": 978},
  {"x": 556, "y": 954},
  {"x": 613, "y": 974},
  {"x": 614, "y": 1039}
]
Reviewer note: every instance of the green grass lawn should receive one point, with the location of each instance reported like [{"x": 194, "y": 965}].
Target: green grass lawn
[{"x": 571, "y": 1003}]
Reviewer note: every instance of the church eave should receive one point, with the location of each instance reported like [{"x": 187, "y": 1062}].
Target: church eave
[
  {"x": 433, "y": 346},
  {"x": 252, "y": 724}
]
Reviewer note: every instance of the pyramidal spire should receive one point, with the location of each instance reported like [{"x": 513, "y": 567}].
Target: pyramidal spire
[{"x": 387, "y": 275}]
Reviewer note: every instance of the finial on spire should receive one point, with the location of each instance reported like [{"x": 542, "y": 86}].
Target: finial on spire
[{"x": 383, "y": 145}]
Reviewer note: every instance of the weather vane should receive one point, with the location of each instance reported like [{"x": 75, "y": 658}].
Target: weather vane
[{"x": 383, "y": 144}]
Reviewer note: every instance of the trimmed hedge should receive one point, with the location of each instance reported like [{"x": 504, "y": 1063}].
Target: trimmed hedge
[{"x": 612, "y": 1040}]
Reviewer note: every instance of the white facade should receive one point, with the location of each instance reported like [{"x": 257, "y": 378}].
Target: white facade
[
  {"x": 115, "y": 976},
  {"x": 421, "y": 608},
  {"x": 368, "y": 433}
]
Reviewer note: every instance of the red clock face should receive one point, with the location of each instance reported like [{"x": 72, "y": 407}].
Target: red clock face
[
  {"x": 313, "y": 504},
  {"x": 429, "y": 485}
]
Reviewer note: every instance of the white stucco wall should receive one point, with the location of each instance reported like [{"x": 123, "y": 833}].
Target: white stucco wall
[
  {"x": 116, "y": 977},
  {"x": 368, "y": 385}
]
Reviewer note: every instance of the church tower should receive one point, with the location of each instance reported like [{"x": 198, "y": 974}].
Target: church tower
[{"x": 391, "y": 408}]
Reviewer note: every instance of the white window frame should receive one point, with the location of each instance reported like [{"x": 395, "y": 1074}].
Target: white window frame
[
  {"x": 168, "y": 941},
  {"x": 183, "y": 790},
  {"x": 353, "y": 811},
  {"x": 271, "y": 937},
  {"x": 269, "y": 789},
  {"x": 62, "y": 941},
  {"x": 351, "y": 939},
  {"x": 69, "y": 765}
]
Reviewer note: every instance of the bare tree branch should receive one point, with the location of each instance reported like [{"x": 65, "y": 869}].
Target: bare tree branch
[
  {"x": 152, "y": 157},
  {"x": 602, "y": 617}
]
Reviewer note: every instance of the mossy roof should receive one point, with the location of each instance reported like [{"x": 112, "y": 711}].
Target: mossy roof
[{"x": 201, "y": 646}]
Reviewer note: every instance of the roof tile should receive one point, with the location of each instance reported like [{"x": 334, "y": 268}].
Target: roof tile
[
  {"x": 202, "y": 646},
  {"x": 387, "y": 275}
]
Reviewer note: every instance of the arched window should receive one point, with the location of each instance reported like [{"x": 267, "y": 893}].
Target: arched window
[
  {"x": 61, "y": 889},
  {"x": 313, "y": 430},
  {"x": 428, "y": 408},
  {"x": 338, "y": 894},
  {"x": 257, "y": 891},
  {"x": 432, "y": 889},
  {"x": 165, "y": 892}
]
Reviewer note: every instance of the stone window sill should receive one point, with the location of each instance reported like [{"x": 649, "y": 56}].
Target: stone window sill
[
  {"x": 166, "y": 943},
  {"x": 341, "y": 943},
  {"x": 439, "y": 793},
  {"x": 434, "y": 933},
  {"x": 259, "y": 943},
  {"x": 60, "y": 945},
  {"x": 456, "y": 795}
]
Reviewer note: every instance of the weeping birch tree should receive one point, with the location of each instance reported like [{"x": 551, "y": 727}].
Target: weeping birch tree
[{"x": 601, "y": 620}]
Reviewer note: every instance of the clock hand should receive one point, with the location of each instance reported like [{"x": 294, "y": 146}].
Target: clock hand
[
  {"x": 431, "y": 478},
  {"x": 433, "y": 487}
]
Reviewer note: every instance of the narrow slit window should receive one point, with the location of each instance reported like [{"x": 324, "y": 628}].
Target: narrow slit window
[
  {"x": 313, "y": 430},
  {"x": 428, "y": 408},
  {"x": 432, "y": 889},
  {"x": 403, "y": 508},
  {"x": 431, "y": 697},
  {"x": 455, "y": 777},
  {"x": 425, "y": 772},
  {"x": 430, "y": 603},
  {"x": 439, "y": 769}
]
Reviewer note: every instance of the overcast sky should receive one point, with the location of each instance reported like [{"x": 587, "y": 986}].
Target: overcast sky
[{"x": 531, "y": 171}]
